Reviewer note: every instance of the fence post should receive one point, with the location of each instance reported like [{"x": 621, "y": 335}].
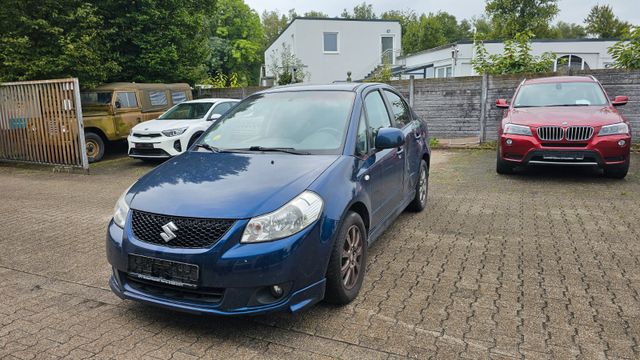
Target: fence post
[
  {"x": 79, "y": 119},
  {"x": 244, "y": 92},
  {"x": 483, "y": 107},
  {"x": 411, "y": 90}
]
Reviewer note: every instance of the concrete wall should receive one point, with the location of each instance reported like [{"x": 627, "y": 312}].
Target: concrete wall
[{"x": 453, "y": 107}]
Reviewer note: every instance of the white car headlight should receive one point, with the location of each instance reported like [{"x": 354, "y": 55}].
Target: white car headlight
[
  {"x": 614, "y": 129},
  {"x": 517, "y": 129},
  {"x": 174, "y": 132},
  {"x": 121, "y": 209},
  {"x": 291, "y": 218}
]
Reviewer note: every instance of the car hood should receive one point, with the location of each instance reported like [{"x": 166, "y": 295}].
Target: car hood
[
  {"x": 572, "y": 115},
  {"x": 226, "y": 185},
  {"x": 159, "y": 125}
]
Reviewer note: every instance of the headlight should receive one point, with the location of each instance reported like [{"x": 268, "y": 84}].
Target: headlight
[
  {"x": 293, "y": 217},
  {"x": 517, "y": 129},
  {"x": 614, "y": 129},
  {"x": 174, "y": 132},
  {"x": 121, "y": 209}
]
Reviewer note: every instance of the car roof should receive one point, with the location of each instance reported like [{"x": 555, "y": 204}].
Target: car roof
[
  {"x": 337, "y": 86},
  {"x": 557, "y": 79},
  {"x": 208, "y": 100}
]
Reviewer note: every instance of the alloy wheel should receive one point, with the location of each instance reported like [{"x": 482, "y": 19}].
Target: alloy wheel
[{"x": 352, "y": 257}]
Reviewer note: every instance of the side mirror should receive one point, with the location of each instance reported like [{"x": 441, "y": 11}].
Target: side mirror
[
  {"x": 118, "y": 105},
  {"x": 502, "y": 103},
  {"x": 620, "y": 100},
  {"x": 214, "y": 117},
  {"x": 388, "y": 138}
]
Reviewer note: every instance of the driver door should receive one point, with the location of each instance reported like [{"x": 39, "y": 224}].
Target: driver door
[{"x": 127, "y": 111}]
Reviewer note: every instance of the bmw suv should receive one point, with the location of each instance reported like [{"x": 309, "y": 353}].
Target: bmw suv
[{"x": 564, "y": 120}]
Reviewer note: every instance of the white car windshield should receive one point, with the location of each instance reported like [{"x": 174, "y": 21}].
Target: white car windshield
[
  {"x": 308, "y": 121},
  {"x": 560, "y": 94},
  {"x": 187, "y": 111}
]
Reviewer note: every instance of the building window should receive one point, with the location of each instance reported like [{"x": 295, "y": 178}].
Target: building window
[
  {"x": 444, "y": 72},
  {"x": 570, "y": 62},
  {"x": 330, "y": 42}
]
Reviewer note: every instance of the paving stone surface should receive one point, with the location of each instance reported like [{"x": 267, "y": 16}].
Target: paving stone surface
[{"x": 540, "y": 265}]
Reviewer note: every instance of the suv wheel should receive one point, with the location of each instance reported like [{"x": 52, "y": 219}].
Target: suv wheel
[
  {"x": 617, "y": 171},
  {"x": 422, "y": 189},
  {"x": 503, "y": 167},
  {"x": 348, "y": 261},
  {"x": 94, "y": 146}
]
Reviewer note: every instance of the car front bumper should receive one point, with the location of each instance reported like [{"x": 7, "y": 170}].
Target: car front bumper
[
  {"x": 241, "y": 274},
  {"x": 156, "y": 148},
  {"x": 598, "y": 151}
]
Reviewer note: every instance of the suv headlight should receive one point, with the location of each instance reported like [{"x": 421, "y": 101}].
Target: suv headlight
[
  {"x": 614, "y": 129},
  {"x": 517, "y": 129},
  {"x": 121, "y": 209},
  {"x": 291, "y": 218},
  {"x": 174, "y": 132}
]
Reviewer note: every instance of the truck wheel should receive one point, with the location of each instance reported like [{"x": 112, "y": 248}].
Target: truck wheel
[
  {"x": 617, "y": 171},
  {"x": 503, "y": 167},
  {"x": 95, "y": 146}
]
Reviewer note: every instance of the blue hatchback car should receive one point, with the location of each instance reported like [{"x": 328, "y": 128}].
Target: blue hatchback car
[{"x": 274, "y": 206}]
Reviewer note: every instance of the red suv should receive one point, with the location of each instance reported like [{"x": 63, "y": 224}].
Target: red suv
[{"x": 564, "y": 120}]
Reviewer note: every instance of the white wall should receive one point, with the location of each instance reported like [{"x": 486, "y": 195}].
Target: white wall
[{"x": 359, "y": 47}]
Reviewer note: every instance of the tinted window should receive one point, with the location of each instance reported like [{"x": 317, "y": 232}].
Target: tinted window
[
  {"x": 126, "y": 100},
  {"x": 157, "y": 97},
  {"x": 376, "y": 112},
  {"x": 362, "y": 139},
  {"x": 222, "y": 108},
  {"x": 330, "y": 42},
  {"x": 560, "y": 94},
  {"x": 188, "y": 111},
  {"x": 399, "y": 108},
  {"x": 310, "y": 121},
  {"x": 178, "y": 96}
]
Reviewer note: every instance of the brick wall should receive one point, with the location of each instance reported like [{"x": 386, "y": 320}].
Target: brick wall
[{"x": 454, "y": 107}]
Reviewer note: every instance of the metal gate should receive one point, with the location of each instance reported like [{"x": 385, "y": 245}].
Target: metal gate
[{"x": 41, "y": 122}]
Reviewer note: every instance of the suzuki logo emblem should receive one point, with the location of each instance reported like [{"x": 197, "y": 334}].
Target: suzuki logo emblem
[{"x": 168, "y": 233}]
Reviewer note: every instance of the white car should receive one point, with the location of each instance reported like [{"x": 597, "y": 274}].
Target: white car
[{"x": 177, "y": 129}]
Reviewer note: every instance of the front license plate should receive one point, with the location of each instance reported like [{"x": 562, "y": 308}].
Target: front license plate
[
  {"x": 164, "y": 271},
  {"x": 563, "y": 156},
  {"x": 144, "y": 146}
]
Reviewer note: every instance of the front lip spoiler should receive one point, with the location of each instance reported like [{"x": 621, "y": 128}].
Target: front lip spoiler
[{"x": 537, "y": 162}]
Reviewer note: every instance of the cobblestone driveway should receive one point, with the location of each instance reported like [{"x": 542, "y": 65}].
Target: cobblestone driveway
[{"x": 538, "y": 265}]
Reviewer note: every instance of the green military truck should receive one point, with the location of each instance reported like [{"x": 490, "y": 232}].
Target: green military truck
[{"x": 111, "y": 110}]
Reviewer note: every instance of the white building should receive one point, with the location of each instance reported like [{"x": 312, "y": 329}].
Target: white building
[
  {"x": 455, "y": 59},
  {"x": 331, "y": 47}
]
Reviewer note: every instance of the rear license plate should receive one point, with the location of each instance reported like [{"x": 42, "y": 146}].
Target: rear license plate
[
  {"x": 144, "y": 146},
  {"x": 563, "y": 156},
  {"x": 164, "y": 271}
]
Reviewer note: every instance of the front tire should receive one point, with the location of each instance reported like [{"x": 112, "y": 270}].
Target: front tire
[
  {"x": 345, "y": 273},
  {"x": 617, "y": 171},
  {"x": 94, "y": 146},
  {"x": 422, "y": 189},
  {"x": 193, "y": 139}
]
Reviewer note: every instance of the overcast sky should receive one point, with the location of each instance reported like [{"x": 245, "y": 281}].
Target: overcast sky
[{"x": 573, "y": 11}]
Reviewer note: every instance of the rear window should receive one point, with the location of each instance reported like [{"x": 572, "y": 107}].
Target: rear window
[
  {"x": 178, "y": 96},
  {"x": 157, "y": 98},
  {"x": 560, "y": 94}
]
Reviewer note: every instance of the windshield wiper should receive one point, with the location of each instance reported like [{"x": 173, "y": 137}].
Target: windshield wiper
[
  {"x": 287, "y": 150},
  {"x": 208, "y": 147}
]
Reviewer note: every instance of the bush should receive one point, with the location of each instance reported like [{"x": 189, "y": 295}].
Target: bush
[
  {"x": 626, "y": 52},
  {"x": 516, "y": 58}
]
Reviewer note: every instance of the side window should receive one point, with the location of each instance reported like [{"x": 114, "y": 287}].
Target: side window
[
  {"x": 376, "y": 112},
  {"x": 126, "y": 100},
  {"x": 178, "y": 96},
  {"x": 222, "y": 108},
  {"x": 399, "y": 108},
  {"x": 362, "y": 139},
  {"x": 158, "y": 98}
]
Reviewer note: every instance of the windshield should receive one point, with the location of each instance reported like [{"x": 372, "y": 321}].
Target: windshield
[
  {"x": 310, "y": 121},
  {"x": 188, "y": 111},
  {"x": 560, "y": 94},
  {"x": 95, "y": 98}
]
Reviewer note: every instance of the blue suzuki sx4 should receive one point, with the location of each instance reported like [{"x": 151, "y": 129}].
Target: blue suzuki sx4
[{"x": 275, "y": 205}]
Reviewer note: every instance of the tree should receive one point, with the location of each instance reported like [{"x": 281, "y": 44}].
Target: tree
[
  {"x": 273, "y": 23},
  {"x": 315, "y": 14},
  {"x": 563, "y": 30},
  {"x": 511, "y": 17},
  {"x": 361, "y": 11},
  {"x": 286, "y": 67},
  {"x": 626, "y": 52},
  {"x": 602, "y": 23},
  {"x": 516, "y": 58}
]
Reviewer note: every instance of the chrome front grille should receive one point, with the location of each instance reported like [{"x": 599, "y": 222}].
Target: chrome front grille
[
  {"x": 572, "y": 133},
  {"x": 550, "y": 133},
  {"x": 579, "y": 133}
]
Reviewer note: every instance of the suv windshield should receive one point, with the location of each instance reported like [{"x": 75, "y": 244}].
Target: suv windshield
[
  {"x": 560, "y": 94},
  {"x": 188, "y": 111},
  {"x": 95, "y": 98},
  {"x": 308, "y": 121}
]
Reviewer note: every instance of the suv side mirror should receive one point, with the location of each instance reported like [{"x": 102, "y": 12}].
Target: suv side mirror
[
  {"x": 620, "y": 100},
  {"x": 388, "y": 138},
  {"x": 214, "y": 117},
  {"x": 502, "y": 103}
]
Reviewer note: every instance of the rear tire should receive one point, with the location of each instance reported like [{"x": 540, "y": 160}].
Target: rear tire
[
  {"x": 348, "y": 262},
  {"x": 422, "y": 189},
  {"x": 503, "y": 167},
  {"x": 94, "y": 146},
  {"x": 617, "y": 171}
]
